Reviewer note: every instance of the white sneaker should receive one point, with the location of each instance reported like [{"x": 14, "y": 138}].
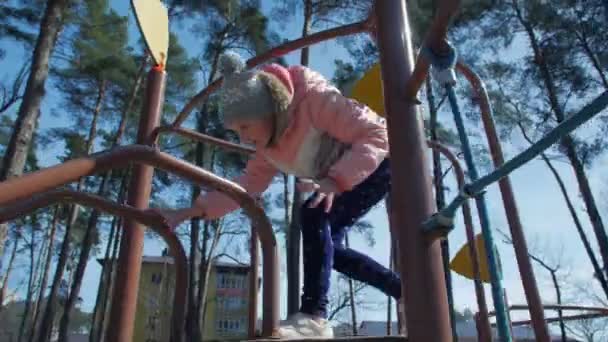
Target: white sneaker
[{"x": 303, "y": 326}]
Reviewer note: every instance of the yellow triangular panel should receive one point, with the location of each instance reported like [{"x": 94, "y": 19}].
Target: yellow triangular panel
[
  {"x": 462, "y": 264},
  {"x": 153, "y": 21},
  {"x": 368, "y": 90}
]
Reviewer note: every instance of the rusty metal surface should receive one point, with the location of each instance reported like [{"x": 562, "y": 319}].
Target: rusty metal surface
[
  {"x": 411, "y": 202},
  {"x": 278, "y": 51},
  {"x": 56, "y": 176},
  {"x": 254, "y": 273},
  {"x": 519, "y": 241},
  {"x": 146, "y": 218},
  {"x": 124, "y": 300},
  {"x": 483, "y": 319},
  {"x": 204, "y": 138}
]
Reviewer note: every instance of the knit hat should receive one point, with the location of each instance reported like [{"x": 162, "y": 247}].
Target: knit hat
[{"x": 255, "y": 94}]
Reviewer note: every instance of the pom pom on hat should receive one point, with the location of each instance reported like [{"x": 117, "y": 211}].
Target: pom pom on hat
[{"x": 230, "y": 63}]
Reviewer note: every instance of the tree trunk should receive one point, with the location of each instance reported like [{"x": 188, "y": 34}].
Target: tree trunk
[
  {"x": 7, "y": 273},
  {"x": 192, "y": 327},
  {"x": 30, "y": 285},
  {"x": 208, "y": 266},
  {"x": 45, "y": 273},
  {"x": 109, "y": 287},
  {"x": 600, "y": 276},
  {"x": 592, "y": 57},
  {"x": 567, "y": 142},
  {"x": 29, "y": 111},
  {"x": 87, "y": 243},
  {"x": 101, "y": 289},
  {"x": 202, "y": 284},
  {"x": 560, "y": 314},
  {"x": 46, "y": 250},
  {"x": 351, "y": 294}
]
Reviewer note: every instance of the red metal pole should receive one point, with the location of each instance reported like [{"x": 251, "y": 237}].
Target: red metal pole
[
  {"x": 124, "y": 299},
  {"x": 482, "y": 319},
  {"x": 519, "y": 240},
  {"x": 427, "y": 313},
  {"x": 253, "y": 282},
  {"x": 278, "y": 51}
]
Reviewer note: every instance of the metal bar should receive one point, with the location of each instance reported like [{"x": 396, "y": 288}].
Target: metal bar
[
  {"x": 146, "y": 218},
  {"x": 495, "y": 272},
  {"x": 558, "y": 307},
  {"x": 204, "y": 138},
  {"x": 533, "y": 151},
  {"x": 56, "y": 176},
  {"x": 565, "y": 318},
  {"x": 526, "y": 271},
  {"x": 435, "y": 40},
  {"x": 124, "y": 300},
  {"x": 278, "y": 51},
  {"x": 253, "y": 283},
  {"x": 411, "y": 202},
  {"x": 483, "y": 319}
]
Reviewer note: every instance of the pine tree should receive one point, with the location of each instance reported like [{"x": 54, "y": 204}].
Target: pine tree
[{"x": 19, "y": 144}]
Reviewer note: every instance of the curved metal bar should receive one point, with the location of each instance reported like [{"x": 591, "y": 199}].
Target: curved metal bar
[
  {"x": 148, "y": 218},
  {"x": 194, "y": 135},
  {"x": 278, "y": 51},
  {"x": 36, "y": 182},
  {"x": 435, "y": 39},
  {"x": 510, "y": 205},
  {"x": 18, "y": 208},
  {"x": 483, "y": 319}
]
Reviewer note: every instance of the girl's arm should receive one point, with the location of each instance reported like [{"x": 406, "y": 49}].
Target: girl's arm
[
  {"x": 353, "y": 123},
  {"x": 256, "y": 178},
  {"x": 213, "y": 205}
]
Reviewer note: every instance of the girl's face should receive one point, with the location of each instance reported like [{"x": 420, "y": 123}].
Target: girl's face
[{"x": 255, "y": 132}]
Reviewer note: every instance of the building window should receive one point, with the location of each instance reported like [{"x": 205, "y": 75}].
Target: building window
[{"x": 156, "y": 278}]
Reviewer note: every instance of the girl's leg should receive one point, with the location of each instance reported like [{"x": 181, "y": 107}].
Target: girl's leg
[
  {"x": 322, "y": 244},
  {"x": 318, "y": 257},
  {"x": 349, "y": 208}
]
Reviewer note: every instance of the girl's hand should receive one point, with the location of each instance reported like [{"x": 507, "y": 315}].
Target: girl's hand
[
  {"x": 174, "y": 217},
  {"x": 326, "y": 190}
]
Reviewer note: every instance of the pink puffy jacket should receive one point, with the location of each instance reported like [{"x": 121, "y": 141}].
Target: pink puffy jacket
[{"x": 328, "y": 135}]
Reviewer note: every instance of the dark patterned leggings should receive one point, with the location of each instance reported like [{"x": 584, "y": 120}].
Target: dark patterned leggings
[{"x": 323, "y": 240}]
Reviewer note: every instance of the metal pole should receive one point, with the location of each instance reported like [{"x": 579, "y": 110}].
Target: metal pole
[
  {"x": 124, "y": 299},
  {"x": 427, "y": 313},
  {"x": 482, "y": 318},
  {"x": 495, "y": 271},
  {"x": 254, "y": 273},
  {"x": 506, "y": 190}
]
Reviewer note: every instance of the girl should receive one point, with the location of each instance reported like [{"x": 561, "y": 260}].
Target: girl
[{"x": 301, "y": 125}]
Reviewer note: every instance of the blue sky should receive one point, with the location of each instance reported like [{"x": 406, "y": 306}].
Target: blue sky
[{"x": 545, "y": 218}]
